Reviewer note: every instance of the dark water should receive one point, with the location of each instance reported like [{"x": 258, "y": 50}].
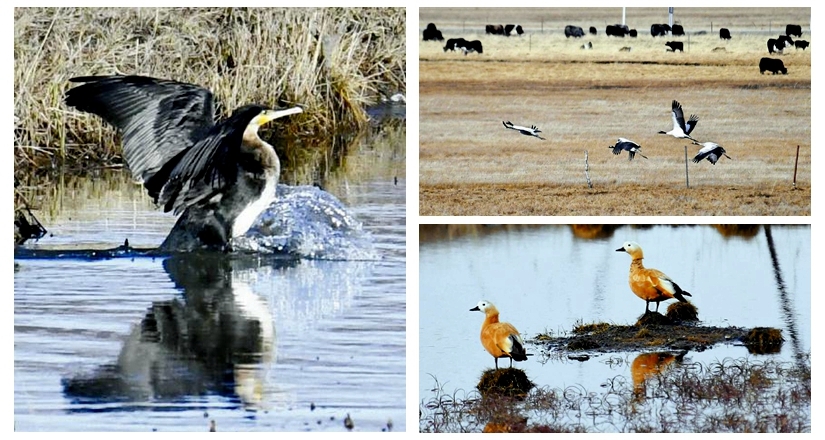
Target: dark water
[
  {"x": 549, "y": 279},
  {"x": 251, "y": 343}
]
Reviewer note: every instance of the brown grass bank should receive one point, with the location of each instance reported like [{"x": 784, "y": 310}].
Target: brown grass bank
[
  {"x": 583, "y": 100},
  {"x": 334, "y": 62}
]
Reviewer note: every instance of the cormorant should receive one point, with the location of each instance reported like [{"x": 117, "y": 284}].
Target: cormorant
[{"x": 219, "y": 175}]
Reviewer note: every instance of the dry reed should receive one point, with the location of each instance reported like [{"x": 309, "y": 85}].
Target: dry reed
[{"x": 334, "y": 62}]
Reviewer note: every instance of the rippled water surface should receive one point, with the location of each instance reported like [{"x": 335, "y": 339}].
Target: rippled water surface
[
  {"x": 548, "y": 279},
  {"x": 251, "y": 344}
]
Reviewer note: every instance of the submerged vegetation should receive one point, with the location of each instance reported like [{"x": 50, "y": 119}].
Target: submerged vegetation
[
  {"x": 334, "y": 62},
  {"x": 731, "y": 395}
]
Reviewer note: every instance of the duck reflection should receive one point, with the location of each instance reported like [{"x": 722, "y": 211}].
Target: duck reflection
[
  {"x": 649, "y": 365},
  {"x": 215, "y": 339},
  {"x": 744, "y": 231},
  {"x": 592, "y": 232}
]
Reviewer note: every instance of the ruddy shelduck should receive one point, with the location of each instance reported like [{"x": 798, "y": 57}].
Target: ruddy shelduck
[
  {"x": 500, "y": 339},
  {"x": 650, "y": 284}
]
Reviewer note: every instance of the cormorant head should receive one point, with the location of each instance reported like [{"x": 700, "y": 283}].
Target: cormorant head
[{"x": 259, "y": 115}]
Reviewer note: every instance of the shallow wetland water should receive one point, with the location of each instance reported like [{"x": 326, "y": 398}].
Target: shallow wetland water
[
  {"x": 550, "y": 279},
  {"x": 177, "y": 343}
]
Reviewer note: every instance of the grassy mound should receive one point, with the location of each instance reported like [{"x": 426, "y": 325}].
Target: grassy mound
[{"x": 508, "y": 382}]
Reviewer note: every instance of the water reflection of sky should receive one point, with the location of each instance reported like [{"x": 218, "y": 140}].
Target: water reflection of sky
[{"x": 547, "y": 279}]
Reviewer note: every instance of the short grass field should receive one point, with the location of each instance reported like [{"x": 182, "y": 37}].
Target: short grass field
[{"x": 583, "y": 100}]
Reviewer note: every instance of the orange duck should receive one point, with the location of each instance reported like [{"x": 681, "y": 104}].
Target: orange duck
[
  {"x": 650, "y": 285},
  {"x": 500, "y": 339}
]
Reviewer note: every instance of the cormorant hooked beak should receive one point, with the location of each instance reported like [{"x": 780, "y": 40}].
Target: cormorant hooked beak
[{"x": 271, "y": 115}]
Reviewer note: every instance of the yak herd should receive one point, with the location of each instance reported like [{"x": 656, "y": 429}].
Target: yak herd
[
  {"x": 431, "y": 33},
  {"x": 775, "y": 45}
]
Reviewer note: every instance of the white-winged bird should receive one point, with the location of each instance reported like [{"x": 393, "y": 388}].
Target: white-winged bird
[
  {"x": 631, "y": 147},
  {"x": 710, "y": 151},
  {"x": 528, "y": 131},
  {"x": 219, "y": 175},
  {"x": 681, "y": 129}
]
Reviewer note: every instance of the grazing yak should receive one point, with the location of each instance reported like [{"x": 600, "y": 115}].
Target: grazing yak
[
  {"x": 675, "y": 45},
  {"x": 659, "y": 30},
  {"x": 617, "y": 30},
  {"x": 431, "y": 33},
  {"x": 463, "y": 45},
  {"x": 801, "y": 44},
  {"x": 793, "y": 29},
  {"x": 474, "y": 45},
  {"x": 633, "y": 33},
  {"x": 593, "y": 30},
  {"x": 779, "y": 44},
  {"x": 772, "y": 65},
  {"x": 573, "y": 31},
  {"x": 511, "y": 27},
  {"x": 455, "y": 43},
  {"x": 494, "y": 29},
  {"x": 724, "y": 34},
  {"x": 678, "y": 30}
]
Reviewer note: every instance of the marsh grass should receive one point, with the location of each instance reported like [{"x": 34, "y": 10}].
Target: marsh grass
[
  {"x": 583, "y": 100},
  {"x": 375, "y": 153},
  {"x": 730, "y": 395},
  {"x": 333, "y": 62}
]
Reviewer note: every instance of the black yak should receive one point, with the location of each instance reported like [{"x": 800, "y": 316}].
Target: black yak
[
  {"x": 793, "y": 29},
  {"x": 678, "y": 30},
  {"x": 724, "y": 34},
  {"x": 455, "y": 43},
  {"x": 431, "y": 33},
  {"x": 675, "y": 45},
  {"x": 772, "y": 65},
  {"x": 573, "y": 31},
  {"x": 659, "y": 30}
]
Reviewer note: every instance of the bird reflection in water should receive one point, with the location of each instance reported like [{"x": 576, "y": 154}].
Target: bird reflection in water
[
  {"x": 217, "y": 338},
  {"x": 649, "y": 365}
]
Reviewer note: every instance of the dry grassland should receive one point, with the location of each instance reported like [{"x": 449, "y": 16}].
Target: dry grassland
[{"x": 584, "y": 100}]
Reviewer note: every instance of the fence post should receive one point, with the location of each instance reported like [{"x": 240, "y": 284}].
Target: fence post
[{"x": 795, "y": 165}]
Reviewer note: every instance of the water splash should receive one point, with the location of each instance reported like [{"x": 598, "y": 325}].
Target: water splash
[{"x": 310, "y": 223}]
